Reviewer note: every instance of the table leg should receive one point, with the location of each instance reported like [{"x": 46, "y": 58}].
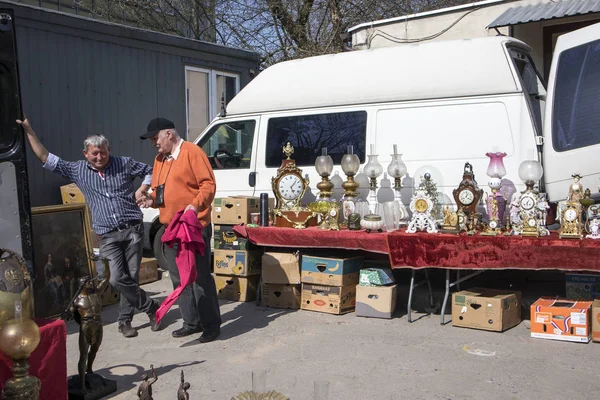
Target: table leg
[
  {"x": 430, "y": 291},
  {"x": 410, "y": 293},
  {"x": 443, "y": 310}
]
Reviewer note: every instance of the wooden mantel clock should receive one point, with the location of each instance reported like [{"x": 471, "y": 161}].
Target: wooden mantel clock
[
  {"x": 468, "y": 194},
  {"x": 289, "y": 187}
]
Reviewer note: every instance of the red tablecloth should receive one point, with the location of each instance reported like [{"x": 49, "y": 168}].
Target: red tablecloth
[
  {"x": 48, "y": 361},
  {"x": 314, "y": 237},
  {"x": 420, "y": 250}
]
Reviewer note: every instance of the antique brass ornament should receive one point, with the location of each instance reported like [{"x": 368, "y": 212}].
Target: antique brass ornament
[
  {"x": 18, "y": 338},
  {"x": 570, "y": 221},
  {"x": 15, "y": 284},
  {"x": 297, "y": 218},
  {"x": 272, "y": 395},
  {"x": 450, "y": 223},
  {"x": 329, "y": 213}
]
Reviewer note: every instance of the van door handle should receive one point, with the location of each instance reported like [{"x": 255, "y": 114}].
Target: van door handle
[{"x": 252, "y": 179}]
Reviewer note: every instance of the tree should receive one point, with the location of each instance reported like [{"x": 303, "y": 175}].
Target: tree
[{"x": 277, "y": 29}]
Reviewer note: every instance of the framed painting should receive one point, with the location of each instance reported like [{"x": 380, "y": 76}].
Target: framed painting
[{"x": 61, "y": 248}]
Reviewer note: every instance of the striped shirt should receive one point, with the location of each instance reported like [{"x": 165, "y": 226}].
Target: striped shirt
[{"x": 110, "y": 194}]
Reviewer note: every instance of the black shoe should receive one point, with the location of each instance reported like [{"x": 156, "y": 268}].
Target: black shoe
[
  {"x": 154, "y": 326},
  {"x": 183, "y": 332},
  {"x": 209, "y": 336},
  {"x": 127, "y": 330}
]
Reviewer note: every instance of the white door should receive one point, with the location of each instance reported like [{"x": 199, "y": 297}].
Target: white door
[{"x": 572, "y": 120}]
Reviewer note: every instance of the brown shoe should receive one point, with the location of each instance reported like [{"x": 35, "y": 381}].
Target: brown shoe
[{"x": 127, "y": 330}]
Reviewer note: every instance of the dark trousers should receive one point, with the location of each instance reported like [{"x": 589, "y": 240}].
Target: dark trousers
[
  {"x": 124, "y": 252},
  {"x": 198, "y": 302}
]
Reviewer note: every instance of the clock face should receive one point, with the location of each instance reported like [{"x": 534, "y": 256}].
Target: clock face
[
  {"x": 493, "y": 224},
  {"x": 333, "y": 212},
  {"x": 466, "y": 197},
  {"x": 290, "y": 187},
  {"x": 421, "y": 205},
  {"x": 531, "y": 222},
  {"x": 570, "y": 215},
  {"x": 527, "y": 203}
]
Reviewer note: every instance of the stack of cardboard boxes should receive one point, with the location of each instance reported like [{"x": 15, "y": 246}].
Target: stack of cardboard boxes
[
  {"x": 329, "y": 284},
  {"x": 237, "y": 264},
  {"x": 280, "y": 283},
  {"x": 376, "y": 293}
]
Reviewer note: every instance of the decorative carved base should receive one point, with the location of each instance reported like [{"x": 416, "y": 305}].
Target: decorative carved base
[{"x": 96, "y": 386}]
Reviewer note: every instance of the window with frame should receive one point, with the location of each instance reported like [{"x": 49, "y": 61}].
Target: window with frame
[
  {"x": 204, "y": 90},
  {"x": 229, "y": 145},
  {"x": 310, "y": 133},
  {"x": 576, "y": 106}
]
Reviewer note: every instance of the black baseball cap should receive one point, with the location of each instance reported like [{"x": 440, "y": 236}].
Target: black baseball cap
[{"x": 157, "y": 125}]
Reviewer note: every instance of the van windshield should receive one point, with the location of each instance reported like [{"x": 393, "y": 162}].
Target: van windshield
[{"x": 576, "y": 106}]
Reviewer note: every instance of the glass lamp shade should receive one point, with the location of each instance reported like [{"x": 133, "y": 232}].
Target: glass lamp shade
[
  {"x": 350, "y": 164},
  {"x": 373, "y": 169},
  {"x": 530, "y": 171},
  {"x": 397, "y": 168},
  {"x": 324, "y": 165},
  {"x": 496, "y": 168}
]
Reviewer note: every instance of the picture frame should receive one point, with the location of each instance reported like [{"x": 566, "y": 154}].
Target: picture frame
[{"x": 62, "y": 244}]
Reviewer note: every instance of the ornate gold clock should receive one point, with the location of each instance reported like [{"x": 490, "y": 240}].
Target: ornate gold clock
[
  {"x": 468, "y": 194},
  {"x": 289, "y": 185},
  {"x": 570, "y": 221}
]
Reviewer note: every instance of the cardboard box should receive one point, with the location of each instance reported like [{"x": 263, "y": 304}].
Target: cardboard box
[
  {"x": 331, "y": 271},
  {"x": 236, "y": 209},
  {"x": 561, "y": 319},
  {"x": 280, "y": 295},
  {"x": 376, "y": 277},
  {"x": 237, "y": 262},
  {"x": 596, "y": 321},
  {"x": 226, "y": 239},
  {"x": 71, "y": 194},
  {"x": 376, "y": 301},
  {"x": 282, "y": 268},
  {"x": 148, "y": 270},
  {"x": 582, "y": 286},
  {"x": 236, "y": 288},
  {"x": 328, "y": 299},
  {"x": 487, "y": 309}
]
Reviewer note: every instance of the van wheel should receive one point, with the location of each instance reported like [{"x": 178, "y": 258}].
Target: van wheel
[{"x": 158, "y": 248}]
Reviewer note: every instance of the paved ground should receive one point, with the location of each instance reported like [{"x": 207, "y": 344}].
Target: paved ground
[{"x": 361, "y": 358}]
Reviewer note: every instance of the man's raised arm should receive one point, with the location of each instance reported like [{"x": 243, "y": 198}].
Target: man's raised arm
[{"x": 37, "y": 147}]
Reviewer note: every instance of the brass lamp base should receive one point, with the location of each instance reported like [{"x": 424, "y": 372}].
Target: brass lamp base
[
  {"x": 350, "y": 187},
  {"x": 21, "y": 385}
]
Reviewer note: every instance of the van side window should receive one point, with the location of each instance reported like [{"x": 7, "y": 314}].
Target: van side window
[
  {"x": 310, "y": 133},
  {"x": 576, "y": 107},
  {"x": 532, "y": 83},
  {"x": 229, "y": 145}
]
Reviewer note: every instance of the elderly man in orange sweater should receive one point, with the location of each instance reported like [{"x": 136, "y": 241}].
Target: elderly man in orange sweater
[{"x": 183, "y": 179}]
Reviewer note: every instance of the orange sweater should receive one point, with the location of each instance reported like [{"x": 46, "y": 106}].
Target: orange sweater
[{"x": 188, "y": 180}]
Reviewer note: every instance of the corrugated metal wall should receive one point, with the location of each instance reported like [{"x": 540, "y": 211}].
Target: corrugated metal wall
[{"x": 77, "y": 81}]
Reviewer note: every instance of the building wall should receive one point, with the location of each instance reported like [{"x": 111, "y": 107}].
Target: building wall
[{"x": 80, "y": 77}]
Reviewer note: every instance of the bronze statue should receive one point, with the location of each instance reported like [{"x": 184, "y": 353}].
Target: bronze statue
[
  {"x": 145, "y": 390},
  {"x": 182, "y": 393},
  {"x": 86, "y": 307}
]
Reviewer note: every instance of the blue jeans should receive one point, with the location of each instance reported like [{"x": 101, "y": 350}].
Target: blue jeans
[
  {"x": 198, "y": 302},
  {"x": 124, "y": 251}
]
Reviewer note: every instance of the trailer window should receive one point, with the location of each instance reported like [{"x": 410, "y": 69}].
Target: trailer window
[
  {"x": 310, "y": 133},
  {"x": 576, "y": 106}
]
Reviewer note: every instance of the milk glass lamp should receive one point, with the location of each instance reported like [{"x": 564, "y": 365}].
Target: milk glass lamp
[{"x": 373, "y": 170}]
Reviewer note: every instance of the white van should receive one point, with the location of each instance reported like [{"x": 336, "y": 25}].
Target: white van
[{"x": 442, "y": 103}]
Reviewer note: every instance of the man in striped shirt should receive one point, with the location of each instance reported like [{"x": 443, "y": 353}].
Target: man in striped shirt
[{"x": 107, "y": 184}]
